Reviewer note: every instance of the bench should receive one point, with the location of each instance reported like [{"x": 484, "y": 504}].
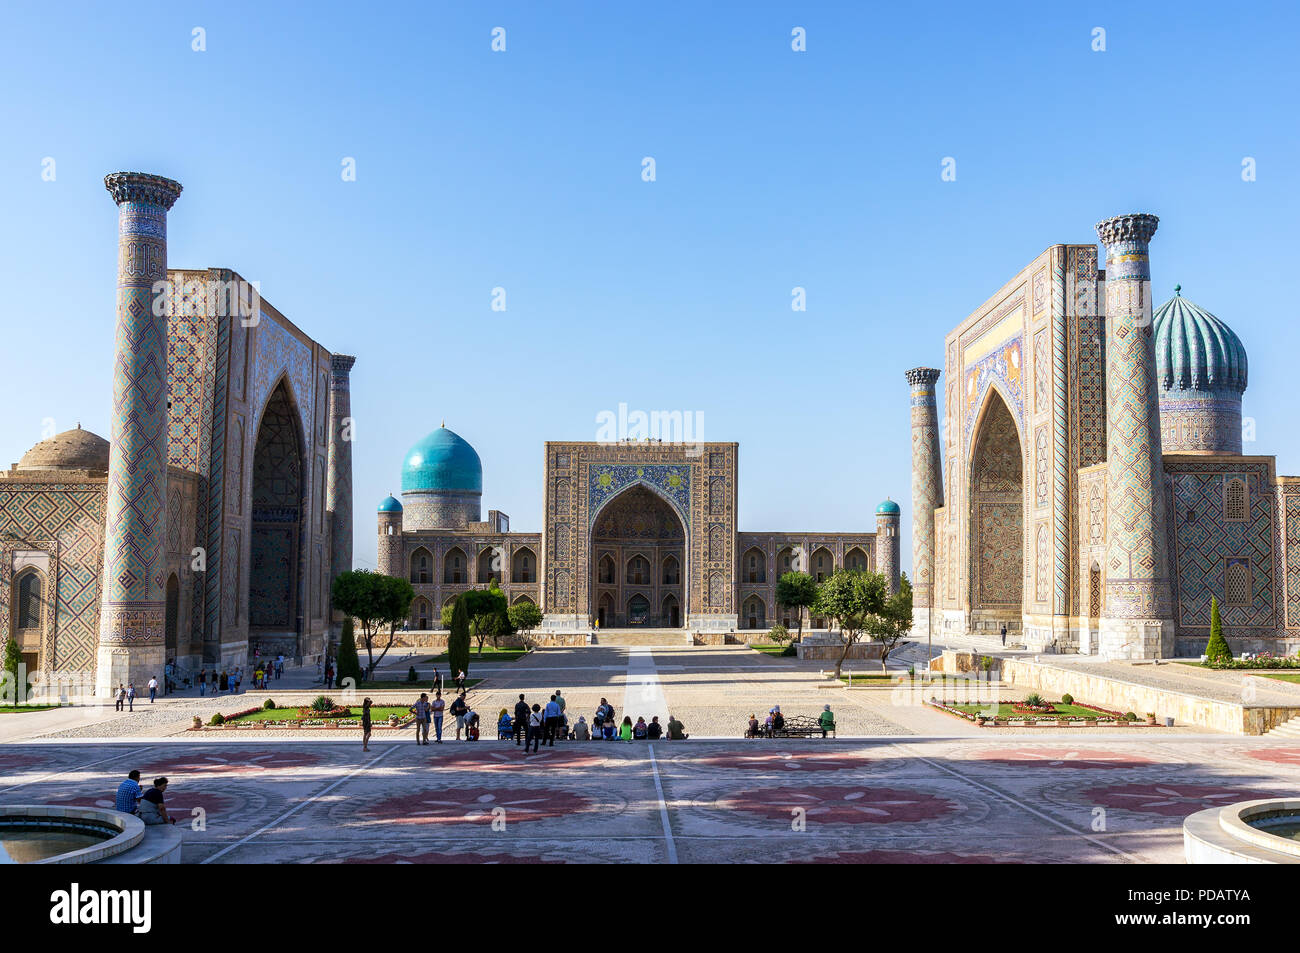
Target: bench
[{"x": 799, "y": 726}]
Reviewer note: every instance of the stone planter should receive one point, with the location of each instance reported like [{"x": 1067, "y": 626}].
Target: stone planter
[
  {"x": 198, "y": 722},
  {"x": 1151, "y": 718}
]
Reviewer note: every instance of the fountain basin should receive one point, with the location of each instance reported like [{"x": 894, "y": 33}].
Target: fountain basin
[
  {"x": 1249, "y": 832},
  {"x": 46, "y": 834}
]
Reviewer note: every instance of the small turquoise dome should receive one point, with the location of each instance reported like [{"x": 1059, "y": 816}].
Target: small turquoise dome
[
  {"x": 1195, "y": 350},
  {"x": 390, "y": 505},
  {"x": 442, "y": 461},
  {"x": 888, "y": 508}
]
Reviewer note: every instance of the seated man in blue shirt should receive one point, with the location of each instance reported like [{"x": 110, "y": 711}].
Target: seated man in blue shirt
[{"x": 129, "y": 794}]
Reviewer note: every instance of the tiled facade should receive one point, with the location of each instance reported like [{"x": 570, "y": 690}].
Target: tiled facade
[
  {"x": 635, "y": 534},
  {"x": 193, "y": 546},
  {"x": 1061, "y": 516}
]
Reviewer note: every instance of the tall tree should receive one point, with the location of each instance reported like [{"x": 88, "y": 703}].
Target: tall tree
[
  {"x": 798, "y": 591},
  {"x": 487, "y": 613},
  {"x": 892, "y": 624},
  {"x": 525, "y": 616},
  {"x": 853, "y": 598},
  {"x": 458, "y": 640},
  {"x": 1217, "y": 651},
  {"x": 376, "y": 601},
  {"x": 348, "y": 665},
  {"x": 13, "y": 657}
]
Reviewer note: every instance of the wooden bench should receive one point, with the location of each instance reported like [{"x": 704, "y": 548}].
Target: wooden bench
[{"x": 800, "y": 726}]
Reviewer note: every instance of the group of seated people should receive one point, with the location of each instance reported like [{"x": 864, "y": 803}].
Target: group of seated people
[
  {"x": 775, "y": 723},
  {"x": 603, "y": 727}
]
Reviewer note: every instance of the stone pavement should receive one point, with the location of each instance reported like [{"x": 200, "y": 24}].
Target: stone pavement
[{"x": 990, "y": 799}]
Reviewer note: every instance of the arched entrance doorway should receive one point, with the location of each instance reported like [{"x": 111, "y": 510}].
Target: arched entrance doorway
[
  {"x": 636, "y": 532},
  {"x": 997, "y": 516},
  {"x": 275, "y": 597}
]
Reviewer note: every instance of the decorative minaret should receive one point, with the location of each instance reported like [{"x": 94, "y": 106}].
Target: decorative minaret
[
  {"x": 390, "y": 537},
  {"x": 887, "y": 555},
  {"x": 338, "y": 484},
  {"x": 1136, "y": 619},
  {"x": 132, "y": 644},
  {"x": 927, "y": 489}
]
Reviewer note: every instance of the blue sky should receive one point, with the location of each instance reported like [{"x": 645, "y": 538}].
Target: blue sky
[{"x": 522, "y": 170}]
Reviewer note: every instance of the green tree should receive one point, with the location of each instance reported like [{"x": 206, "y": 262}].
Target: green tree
[
  {"x": 524, "y": 616},
  {"x": 798, "y": 591},
  {"x": 458, "y": 640},
  {"x": 893, "y": 623},
  {"x": 13, "y": 656},
  {"x": 860, "y": 601},
  {"x": 1217, "y": 652},
  {"x": 348, "y": 664},
  {"x": 446, "y": 616},
  {"x": 376, "y": 601},
  {"x": 487, "y": 613}
]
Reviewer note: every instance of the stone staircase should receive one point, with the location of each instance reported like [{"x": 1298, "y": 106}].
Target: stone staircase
[
  {"x": 1287, "y": 729},
  {"x": 642, "y": 637}
]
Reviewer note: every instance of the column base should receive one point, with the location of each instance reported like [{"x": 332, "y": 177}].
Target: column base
[
  {"x": 565, "y": 622},
  {"x": 126, "y": 664},
  {"x": 1135, "y": 638}
]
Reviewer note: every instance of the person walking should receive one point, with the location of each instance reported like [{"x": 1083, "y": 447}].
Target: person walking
[
  {"x": 203, "y": 682},
  {"x": 119, "y": 697},
  {"x": 521, "y": 721},
  {"x": 552, "y": 721},
  {"x": 460, "y": 681},
  {"x": 365, "y": 724},
  {"x": 1004, "y": 635},
  {"x": 279, "y": 667},
  {"x": 458, "y": 710},
  {"x": 127, "y": 799},
  {"x": 130, "y": 696},
  {"x": 437, "y": 679},
  {"x": 423, "y": 712},
  {"x": 536, "y": 720},
  {"x": 437, "y": 707},
  {"x": 153, "y": 688},
  {"x": 329, "y": 676}
]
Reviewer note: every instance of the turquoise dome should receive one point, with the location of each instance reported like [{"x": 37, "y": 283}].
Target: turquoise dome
[
  {"x": 888, "y": 508},
  {"x": 1195, "y": 350},
  {"x": 442, "y": 461},
  {"x": 390, "y": 505}
]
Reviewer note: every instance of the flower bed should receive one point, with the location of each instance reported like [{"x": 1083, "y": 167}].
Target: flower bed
[
  {"x": 1055, "y": 714},
  {"x": 1263, "y": 660},
  {"x": 338, "y": 717}
]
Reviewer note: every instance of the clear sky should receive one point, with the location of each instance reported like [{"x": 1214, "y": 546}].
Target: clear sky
[{"x": 522, "y": 170}]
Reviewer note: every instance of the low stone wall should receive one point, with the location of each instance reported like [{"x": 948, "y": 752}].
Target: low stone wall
[
  {"x": 435, "y": 640},
  {"x": 827, "y": 652},
  {"x": 1107, "y": 692},
  {"x": 952, "y": 662}
]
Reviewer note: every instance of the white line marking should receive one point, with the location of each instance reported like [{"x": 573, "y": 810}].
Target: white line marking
[
  {"x": 1025, "y": 807},
  {"x": 663, "y": 809},
  {"x": 78, "y": 767},
  {"x": 299, "y": 806}
]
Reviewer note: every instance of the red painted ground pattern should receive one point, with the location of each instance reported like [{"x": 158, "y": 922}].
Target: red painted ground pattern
[{"x": 840, "y": 804}]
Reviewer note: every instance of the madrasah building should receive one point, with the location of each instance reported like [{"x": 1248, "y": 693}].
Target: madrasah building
[
  {"x": 1089, "y": 489},
  {"x": 635, "y": 534},
  {"x": 211, "y": 523}
]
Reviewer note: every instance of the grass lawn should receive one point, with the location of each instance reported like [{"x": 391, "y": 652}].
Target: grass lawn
[
  {"x": 1281, "y": 674},
  {"x": 489, "y": 654},
  {"x": 10, "y": 709},
  {"x": 884, "y": 678},
  {"x": 378, "y": 713},
  {"x": 768, "y": 649},
  {"x": 1009, "y": 711},
  {"x": 422, "y": 685}
]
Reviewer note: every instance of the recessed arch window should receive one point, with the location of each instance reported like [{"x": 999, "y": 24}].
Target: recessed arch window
[
  {"x": 1236, "y": 502},
  {"x": 29, "y": 601},
  {"x": 1237, "y": 583}
]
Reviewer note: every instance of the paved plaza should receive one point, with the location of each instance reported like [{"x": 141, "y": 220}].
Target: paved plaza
[
  {"x": 902, "y": 783},
  {"x": 925, "y": 801}
]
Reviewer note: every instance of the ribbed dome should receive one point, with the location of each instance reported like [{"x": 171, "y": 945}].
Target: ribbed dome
[
  {"x": 390, "y": 505},
  {"x": 442, "y": 461},
  {"x": 888, "y": 508},
  {"x": 1195, "y": 350},
  {"x": 71, "y": 450}
]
